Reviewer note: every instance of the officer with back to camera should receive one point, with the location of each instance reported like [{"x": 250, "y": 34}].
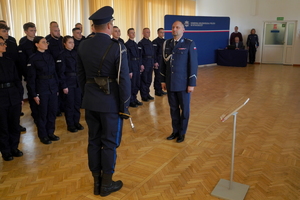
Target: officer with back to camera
[{"x": 102, "y": 62}]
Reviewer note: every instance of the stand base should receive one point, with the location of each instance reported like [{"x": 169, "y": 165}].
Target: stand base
[{"x": 237, "y": 192}]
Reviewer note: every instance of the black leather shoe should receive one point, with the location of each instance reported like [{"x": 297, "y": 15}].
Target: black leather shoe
[
  {"x": 16, "y": 153},
  {"x": 79, "y": 126},
  {"x": 180, "y": 138},
  {"x": 72, "y": 129},
  {"x": 22, "y": 128},
  {"x": 7, "y": 157},
  {"x": 158, "y": 94},
  {"x": 137, "y": 102},
  {"x": 145, "y": 99},
  {"x": 132, "y": 104},
  {"x": 150, "y": 97},
  {"x": 173, "y": 136},
  {"x": 113, "y": 187},
  {"x": 53, "y": 137},
  {"x": 45, "y": 140}
]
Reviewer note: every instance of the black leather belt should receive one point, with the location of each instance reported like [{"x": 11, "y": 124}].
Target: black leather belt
[
  {"x": 135, "y": 58},
  {"x": 6, "y": 85},
  {"x": 45, "y": 77},
  {"x": 147, "y": 56},
  {"x": 91, "y": 80},
  {"x": 71, "y": 74}
]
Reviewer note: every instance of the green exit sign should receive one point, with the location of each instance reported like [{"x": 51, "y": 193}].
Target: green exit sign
[{"x": 280, "y": 18}]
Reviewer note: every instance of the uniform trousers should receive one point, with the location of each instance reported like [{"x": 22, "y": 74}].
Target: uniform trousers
[
  {"x": 9, "y": 128},
  {"x": 105, "y": 132},
  {"x": 157, "y": 81},
  {"x": 72, "y": 106},
  {"x": 47, "y": 114},
  {"x": 33, "y": 107},
  {"x": 146, "y": 80},
  {"x": 135, "y": 85},
  {"x": 252, "y": 52},
  {"x": 180, "y": 110}
]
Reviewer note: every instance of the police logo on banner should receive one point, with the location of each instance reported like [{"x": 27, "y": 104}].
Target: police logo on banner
[{"x": 186, "y": 23}]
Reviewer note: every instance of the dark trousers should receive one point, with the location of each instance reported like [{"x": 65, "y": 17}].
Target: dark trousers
[
  {"x": 33, "y": 106},
  {"x": 47, "y": 115},
  {"x": 252, "y": 52},
  {"x": 146, "y": 79},
  {"x": 9, "y": 128},
  {"x": 157, "y": 81},
  {"x": 72, "y": 102},
  {"x": 135, "y": 85},
  {"x": 180, "y": 110},
  {"x": 105, "y": 131}
]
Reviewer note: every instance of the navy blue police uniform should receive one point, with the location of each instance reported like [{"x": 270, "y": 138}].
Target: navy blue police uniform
[
  {"x": 66, "y": 66},
  {"x": 42, "y": 82},
  {"x": 134, "y": 63},
  {"x": 77, "y": 42},
  {"x": 25, "y": 50},
  {"x": 11, "y": 96},
  {"x": 252, "y": 43},
  {"x": 179, "y": 70},
  {"x": 104, "y": 112},
  {"x": 158, "y": 44},
  {"x": 54, "y": 48},
  {"x": 147, "y": 52}
]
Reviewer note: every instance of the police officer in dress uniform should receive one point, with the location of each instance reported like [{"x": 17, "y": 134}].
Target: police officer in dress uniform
[
  {"x": 54, "y": 48},
  {"x": 158, "y": 44},
  {"x": 252, "y": 44},
  {"x": 116, "y": 34},
  {"x": 135, "y": 67},
  {"x": 11, "y": 52},
  {"x": 66, "y": 66},
  {"x": 179, "y": 75},
  {"x": 42, "y": 84},
  {"x": 102, "y": 62},
  {"x": 77, "y": 37},
  {"x": 11, "y": 99},
  {"x": 147, "y": 52},
  {"x": 25, "y": 50}
]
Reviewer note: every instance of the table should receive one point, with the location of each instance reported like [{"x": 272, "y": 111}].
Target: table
[{"x": 235, "y": 58}]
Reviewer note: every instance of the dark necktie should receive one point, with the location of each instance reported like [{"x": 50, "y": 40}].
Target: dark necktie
[{"x": 176, "y": 43}]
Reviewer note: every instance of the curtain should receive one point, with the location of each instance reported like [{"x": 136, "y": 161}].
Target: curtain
[{"x": 135, "y": 14}]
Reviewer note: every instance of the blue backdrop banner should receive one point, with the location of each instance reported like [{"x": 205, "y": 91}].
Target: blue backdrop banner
[{"x": 209, "y": 34}]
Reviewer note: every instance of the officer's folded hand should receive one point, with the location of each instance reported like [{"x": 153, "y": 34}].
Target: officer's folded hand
[{"x": 125, "y": 114}]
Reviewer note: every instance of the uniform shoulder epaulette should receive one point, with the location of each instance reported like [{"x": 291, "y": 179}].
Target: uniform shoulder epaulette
[{"x": 188, "y": 39}]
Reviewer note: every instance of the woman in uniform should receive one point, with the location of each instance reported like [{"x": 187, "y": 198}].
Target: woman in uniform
[
  {"x": 42, "y": 83},
  {"x": 252, "y": 43},
  {"x": 11, "y": 99},
  {"x": 66, "y": 68}
]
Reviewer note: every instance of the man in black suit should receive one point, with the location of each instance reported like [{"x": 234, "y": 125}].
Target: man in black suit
[
  {"x": 101, "y": 59},
  {"x": 237, "y": 43}
]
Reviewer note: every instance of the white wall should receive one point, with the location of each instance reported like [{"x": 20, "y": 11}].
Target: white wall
[{"x": 248, "y": 14}]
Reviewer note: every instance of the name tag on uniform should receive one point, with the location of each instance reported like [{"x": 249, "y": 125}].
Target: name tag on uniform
[
  {"x": 28, "y": 65},
  {"x": 20, "y": 51},
  {"x": 58, "y": 61}
]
